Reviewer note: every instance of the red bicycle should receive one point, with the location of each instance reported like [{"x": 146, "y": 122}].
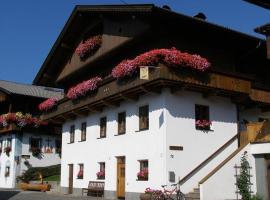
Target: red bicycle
[{"x": 174, "y": 194}]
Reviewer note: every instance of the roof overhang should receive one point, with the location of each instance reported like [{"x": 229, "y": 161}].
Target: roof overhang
[{"x": 262, "y": 3}]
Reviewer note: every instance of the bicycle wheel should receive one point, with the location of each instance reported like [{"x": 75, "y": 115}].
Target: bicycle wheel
[
  {"x": 157, "y": 196},
  {"x": 180, "y": 196}
]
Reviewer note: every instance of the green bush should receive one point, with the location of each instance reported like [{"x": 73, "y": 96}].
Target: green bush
[{"x": 33, "y": 173}]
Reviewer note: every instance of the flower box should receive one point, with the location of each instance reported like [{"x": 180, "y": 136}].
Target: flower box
[
  {"x": 101, "y": 175},
  {"x": 170, "y": 57},
  {"x": 47, "y": 104},
  {"x": 89, "y": 46},
  {"x": 142, "y": 175},
  {"x": 203, "y": 124}
]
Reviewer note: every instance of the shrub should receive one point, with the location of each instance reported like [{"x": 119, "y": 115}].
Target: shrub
[{"x": 33, "y": 173}]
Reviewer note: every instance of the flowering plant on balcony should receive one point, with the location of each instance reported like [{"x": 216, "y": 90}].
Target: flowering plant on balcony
[
  {"x": 203, "y": 124},
  {"x": 85, "y": 48},
  {"x": 170, "y": 57},
  {"x": 80, "y": 174},
  {"x": 7, "y": 150},
  {"x": 47, "y": 104},
  {"x": 83, "y": 88},
  {"x": 143, "y": 174},
  {"x": 101, "y": 174},
  {"x": 20, "y": 120}
]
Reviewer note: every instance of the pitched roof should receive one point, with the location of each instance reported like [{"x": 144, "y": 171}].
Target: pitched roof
[
  {"x": 150, "y": 9},
  {"x": 30, "y": 90},
  {"x": 261, "y": 3}
]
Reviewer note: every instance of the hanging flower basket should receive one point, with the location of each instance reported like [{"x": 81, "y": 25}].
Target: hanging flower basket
[
  {"x": 89, "y": 46},
  {"x": 83, "y": 88},
  {"x": 7, "y": 150},
  {"x": 170, "y": 57},
  {"x": 47, "y": 104}
]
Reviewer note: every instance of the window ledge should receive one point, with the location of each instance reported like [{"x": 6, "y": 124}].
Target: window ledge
[
  {"x": 70, "y": 142},
  {"x": 205, "y": 130},
  {"x": 82, "y": 141},
  {"x": 119, "y": 134},
  {"x": 101, "y": 138},
  {"x": 142, "y": 130},
  {"x": 141, "y": 179}
]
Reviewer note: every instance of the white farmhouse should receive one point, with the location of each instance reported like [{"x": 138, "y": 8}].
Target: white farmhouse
[
  {"x": 25, "y": 141},
  {"x": 154, "y": 97}
]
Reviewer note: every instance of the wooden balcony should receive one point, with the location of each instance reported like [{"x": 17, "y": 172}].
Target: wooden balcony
[
  {"x": 111, "y": 92},
  {"x": 9, "y": 128},
  {"x": 260, "y": 96},
  {"x": 256, "y": 132}
]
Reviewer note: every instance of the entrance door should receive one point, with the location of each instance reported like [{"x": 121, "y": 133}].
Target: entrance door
[
  {"x": 70, "y": 179},
  {"x": 121, "y": 177}
]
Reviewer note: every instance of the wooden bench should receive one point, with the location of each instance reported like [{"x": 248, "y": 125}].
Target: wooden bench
[{"x": 95, "y": 188}]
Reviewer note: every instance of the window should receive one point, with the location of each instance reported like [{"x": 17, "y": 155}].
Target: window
[
  {"x": 121, "y": 123},
  {"x": 8, "y": 144},
  {"x": 58, "y": 146},
  {"x": 34, "y": 144},
  {"x": 71, "y": 134},
  {"x": 1, "y": 146},
  {"x": 7, "y": 172},
  {"x": 103, "y": 122},
  {"x": 144, "y": 117},
  {"x": 83, "y": 131},
  {"x": 80, "y": 173},
  {"x": 202, "y": 121},
  {"x": 143, "y": 173},
  {"x": 101, "y": 172}
]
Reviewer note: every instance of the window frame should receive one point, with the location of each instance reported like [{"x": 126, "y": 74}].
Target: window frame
[
  {"x": 103, "y": 127},
  {"x": 72, "y": 134},
  {"x": 142, "y": 167},
  {"x": 202, "y": 112},
  {"x": 121, "y": 122},
  {"x": 81, "y": 168},
  {"x": 39, "y": 141},
  {"x": 144, "y": 117},
  {"x": 83, "y": 131}
]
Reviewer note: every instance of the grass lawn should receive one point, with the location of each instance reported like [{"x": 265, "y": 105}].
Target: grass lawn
[{"x": 52, "y": 178}]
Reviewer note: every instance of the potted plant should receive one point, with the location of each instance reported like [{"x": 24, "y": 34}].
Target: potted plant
[
  {"x": 101, "y": 175},
  {"x": 147, "y": 195},
  {"x": 7, "y": 150},
  {"x": 143, "y": 174},
  {"x": 80, "y": 175}
]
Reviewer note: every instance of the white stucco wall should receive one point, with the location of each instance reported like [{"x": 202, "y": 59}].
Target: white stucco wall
[
  {"x": 8, "y": 182},
  {"x": 197, "y": 144},
  {"x": 47, "y": 158},
  {"x": 221, "y": 185},
  {"x": 172, "y": 122},
  {"x": 134, "y": 145}
]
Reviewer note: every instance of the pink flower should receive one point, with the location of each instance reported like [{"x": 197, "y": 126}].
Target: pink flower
[
  {"x": 83, "y": 88},
  {"x": 47, "y": 104},
  {"x": 87, "y": 47},
  {"x": 101, "y": 174},
  {"x": 143, "y": 174},
  {"x": 80, "y": 174},
  {"x": 170, "y": 57},
  {"x": 203, "y": 123}
]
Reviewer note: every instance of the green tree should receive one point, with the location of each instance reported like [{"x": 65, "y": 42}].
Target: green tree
[{"x": 243, "y": 180}]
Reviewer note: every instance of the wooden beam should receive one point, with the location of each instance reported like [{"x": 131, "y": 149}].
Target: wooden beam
[
  {"x": 127, "y": 97},
  {"x": 94, "y": 109},
  {"x": 151, "y": 91},
  {"x": 177, "y": 88},
  {"x": 80, "y": 113},
  {"x": 110, "y": 103}
]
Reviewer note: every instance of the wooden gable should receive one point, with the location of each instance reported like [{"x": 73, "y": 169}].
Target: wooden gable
[{"x": 115, "y": 33}]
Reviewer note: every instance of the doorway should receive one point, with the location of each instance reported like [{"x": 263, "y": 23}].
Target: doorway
[{"x": 121, "y": 171}]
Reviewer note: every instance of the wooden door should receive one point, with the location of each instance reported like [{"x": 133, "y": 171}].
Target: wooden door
[
  {"x": 121, "y": 180},
  {"x": 70, "y": 179}
]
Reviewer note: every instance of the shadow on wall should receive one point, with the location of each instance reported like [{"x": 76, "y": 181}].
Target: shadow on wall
[
  {"x": 220, "y": 108},
  {"x": 7, "y": 194}
]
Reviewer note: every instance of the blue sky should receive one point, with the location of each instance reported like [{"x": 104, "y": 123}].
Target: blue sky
[{"x": 29, "y": 28}]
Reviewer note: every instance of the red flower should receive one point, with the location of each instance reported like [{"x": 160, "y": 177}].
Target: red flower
[
  {"x": 101, "y": 174},
  {"x": 143, "y": 174},
  {"x": 88, "y": 46},
  {"x": 80, "y": 174},
  {"x": 83, "y": 88},
  {"x": 203, "y": 123},
  {"x": 171, "y": 57},
  {"x": 47, "y": 104}
]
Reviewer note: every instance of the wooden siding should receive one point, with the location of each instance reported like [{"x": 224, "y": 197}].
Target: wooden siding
[
  {"x": 115, "y": 34},
  {"x": 260, "y": 96},
  {"x": 113, "y": 91}
]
